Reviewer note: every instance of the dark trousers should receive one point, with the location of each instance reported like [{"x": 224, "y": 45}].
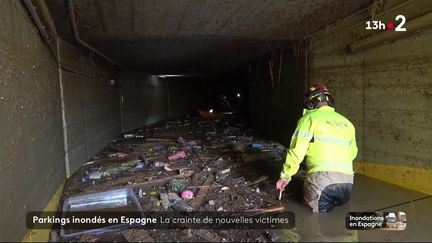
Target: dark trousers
[{"x": 334, "y": 195}]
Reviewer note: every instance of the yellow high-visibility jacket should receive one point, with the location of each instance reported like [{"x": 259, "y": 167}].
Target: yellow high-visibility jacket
[{"x": 326, "y": 138}]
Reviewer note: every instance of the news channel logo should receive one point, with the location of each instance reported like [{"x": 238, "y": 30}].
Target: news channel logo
[
  {"x": 376, "y": 220},
  {"x": 398, "y": 25}
]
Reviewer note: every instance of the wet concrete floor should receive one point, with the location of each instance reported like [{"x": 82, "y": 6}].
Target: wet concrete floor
[{"x": 369, "y": 195}]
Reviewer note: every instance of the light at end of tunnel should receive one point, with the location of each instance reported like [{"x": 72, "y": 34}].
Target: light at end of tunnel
[
  {"x": 211, "y": 110},
  {"x": 238, "y": 95},
  {"x": 171, "y": 75}
]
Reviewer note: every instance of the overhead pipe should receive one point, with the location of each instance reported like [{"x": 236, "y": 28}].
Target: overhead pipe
[
  {"x": 412, "y": 27},
  {"x": 83, "y": 43},
  {"x": 45, "y": 17},
  {"x": 32, "y": 9},
  {"x": 40, "y": 15}
]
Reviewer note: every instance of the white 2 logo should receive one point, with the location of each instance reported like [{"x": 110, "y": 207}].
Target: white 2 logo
[{"x": 399, "y": 27}]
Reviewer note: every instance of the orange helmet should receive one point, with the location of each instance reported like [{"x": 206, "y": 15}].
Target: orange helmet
[{"x": 315, "y": 94}]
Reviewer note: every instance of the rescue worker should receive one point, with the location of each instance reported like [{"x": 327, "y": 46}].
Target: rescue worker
[{"x": 327, "y": 140}]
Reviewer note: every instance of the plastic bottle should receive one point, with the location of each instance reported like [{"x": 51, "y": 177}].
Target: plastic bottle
[{"x": 165, "y": 201}]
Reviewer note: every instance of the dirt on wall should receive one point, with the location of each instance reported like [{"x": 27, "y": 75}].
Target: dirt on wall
[{"x": 31, "y": 154}]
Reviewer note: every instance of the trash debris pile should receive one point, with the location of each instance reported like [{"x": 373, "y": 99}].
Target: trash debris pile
[{"x": 186, "y": 164}]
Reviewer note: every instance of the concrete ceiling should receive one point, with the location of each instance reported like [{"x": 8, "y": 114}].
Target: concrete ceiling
[{"x": 195, "y": 36}]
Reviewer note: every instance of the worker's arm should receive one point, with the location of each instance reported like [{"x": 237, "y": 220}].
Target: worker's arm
[
  {"x": 353, "y": 148},
  {"x": 298, "y": 148}
]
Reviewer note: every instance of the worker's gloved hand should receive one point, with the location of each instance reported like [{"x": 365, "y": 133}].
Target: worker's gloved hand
[{"x": 281, "y": 184}]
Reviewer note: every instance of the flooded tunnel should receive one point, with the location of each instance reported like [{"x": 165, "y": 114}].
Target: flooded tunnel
[{"x": 195, "y": 110}]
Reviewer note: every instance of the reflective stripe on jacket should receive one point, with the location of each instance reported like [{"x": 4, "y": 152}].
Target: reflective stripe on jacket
[{"x": 326, "y": 138}]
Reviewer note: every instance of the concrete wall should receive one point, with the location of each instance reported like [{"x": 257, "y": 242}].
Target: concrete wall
[
  {"x": 92, "y": 107},
  {"x": 144, "y": 100},
  {"x": 275, "y": 108},
  {"x": 31, "y": 143},
  {"x": 32, "y": 155},
  {"x": 384, "y": 90}
]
